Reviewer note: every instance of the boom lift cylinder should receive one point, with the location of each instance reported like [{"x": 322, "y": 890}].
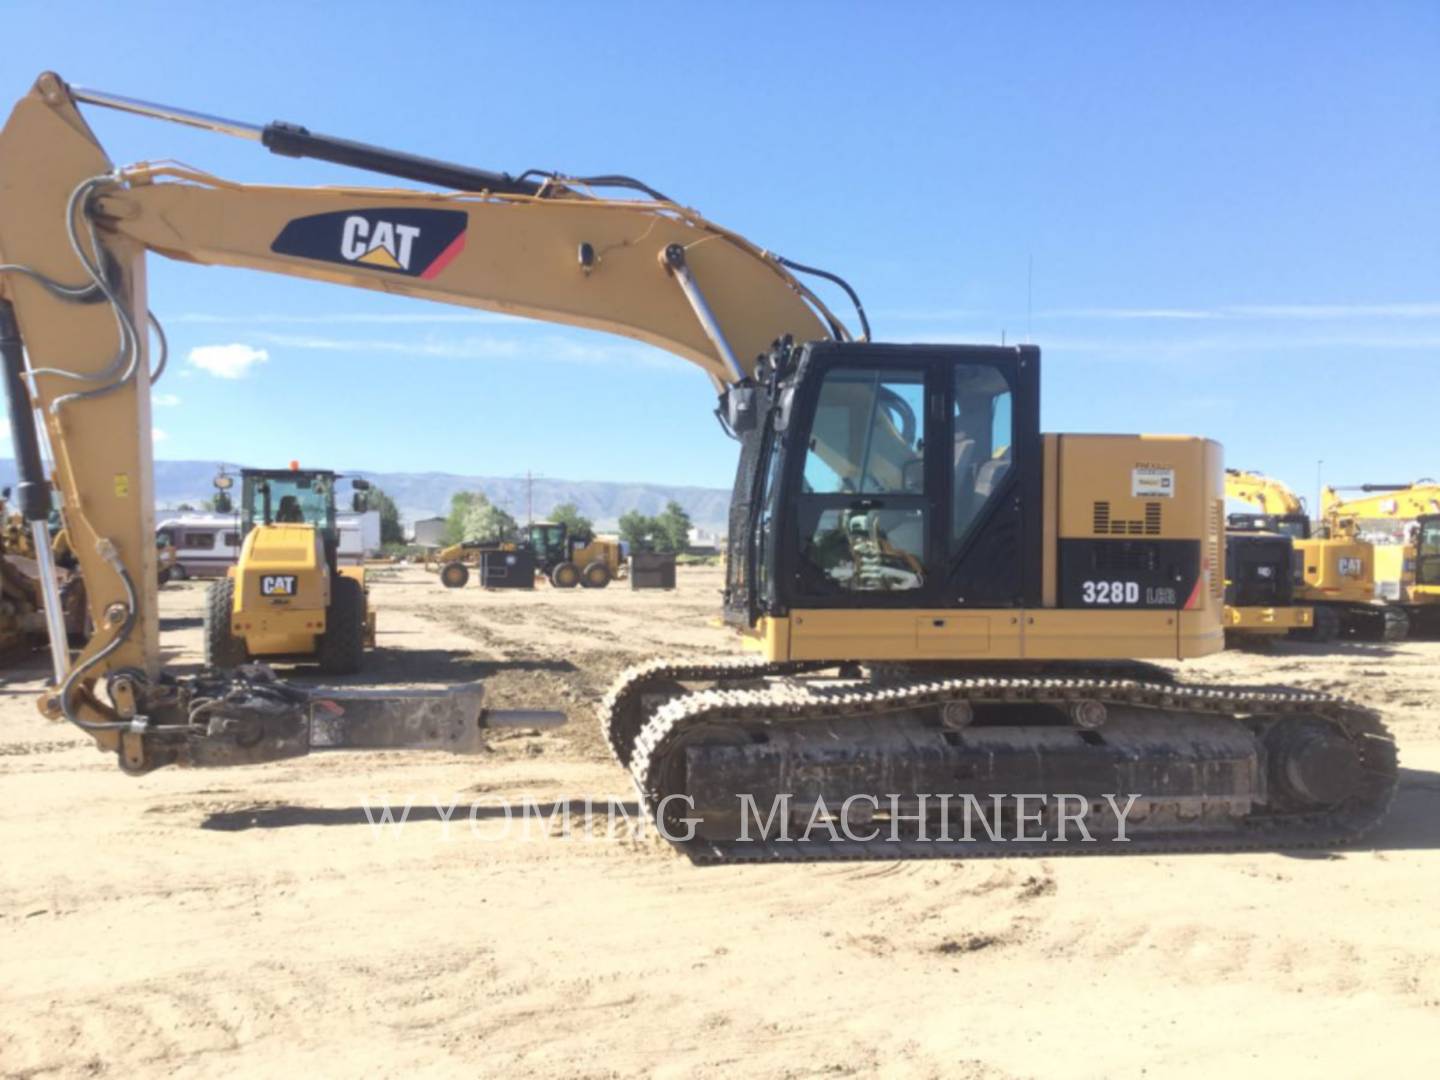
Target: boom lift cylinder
[{"x": 33, "y": 490}]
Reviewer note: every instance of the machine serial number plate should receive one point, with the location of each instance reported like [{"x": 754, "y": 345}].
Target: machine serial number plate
[{"x": 1152, "y": 482}]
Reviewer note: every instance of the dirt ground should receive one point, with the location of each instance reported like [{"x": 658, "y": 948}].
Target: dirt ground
[{"x": 207, "y": 922}]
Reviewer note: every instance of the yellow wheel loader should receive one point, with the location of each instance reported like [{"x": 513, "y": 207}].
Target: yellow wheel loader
[
  {"x": 288, "y": 598},
  {"x": 945, "y": 605}
]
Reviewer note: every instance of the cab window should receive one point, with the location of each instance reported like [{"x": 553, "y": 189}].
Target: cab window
[
  {"x": 863, "y": 514},
  {"x": 982, "y": 433}
]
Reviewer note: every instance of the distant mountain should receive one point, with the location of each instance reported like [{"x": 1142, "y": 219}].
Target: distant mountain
[{"x": 422, "y": 495}]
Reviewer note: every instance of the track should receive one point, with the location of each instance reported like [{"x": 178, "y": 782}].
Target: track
[{"x": 652, "y": 720}]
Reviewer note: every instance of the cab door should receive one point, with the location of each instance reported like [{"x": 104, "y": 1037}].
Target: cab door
[{"x": 905, "y": 469}]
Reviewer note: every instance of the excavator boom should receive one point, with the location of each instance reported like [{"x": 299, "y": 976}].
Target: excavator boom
[
  {"x": 74, "y": 233},
  {"x": 1270, "y": 496}
]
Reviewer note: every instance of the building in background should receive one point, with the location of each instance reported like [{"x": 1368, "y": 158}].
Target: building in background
[{"x": 429, "y": 532}]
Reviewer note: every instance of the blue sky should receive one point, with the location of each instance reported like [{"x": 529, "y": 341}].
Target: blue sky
[{"x": 1230, "y": 211}]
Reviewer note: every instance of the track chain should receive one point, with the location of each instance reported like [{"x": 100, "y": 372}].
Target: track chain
[{"x": 652, "y": 739}]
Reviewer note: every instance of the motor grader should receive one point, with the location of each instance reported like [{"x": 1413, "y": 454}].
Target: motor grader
[
  {"x": 560, "y": 558},
  {"x": 937, "y": 596}
]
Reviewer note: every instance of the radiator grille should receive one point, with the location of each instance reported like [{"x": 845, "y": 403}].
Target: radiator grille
[
  {"x": 1129, "y": 556},
  {"x": 1105, "y": 525}
]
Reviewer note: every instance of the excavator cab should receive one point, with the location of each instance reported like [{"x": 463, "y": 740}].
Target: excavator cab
[
  {"x": 884, "y": 476},
  {"x": 1296, "y": 526}
]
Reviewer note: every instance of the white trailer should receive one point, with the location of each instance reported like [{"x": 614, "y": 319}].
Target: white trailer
[{"x": 205, "y": 544}]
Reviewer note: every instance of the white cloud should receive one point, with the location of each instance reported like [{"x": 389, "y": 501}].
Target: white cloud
[
  {"x": 158, "y": 435},
  {"x": 1163, "y": 347},
  {"x": 227, "y": 361},
  {"x": 1287, "y": 312},
  {"x": 1337, "y": 311},
  {"x": 165, "y": 401},
  {"x": 1129, "y": 313}
]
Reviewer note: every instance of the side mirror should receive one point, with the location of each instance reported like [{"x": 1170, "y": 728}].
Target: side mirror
[
  {"x": 360, "y": 485},
  {"x": 740, "y": 408}
]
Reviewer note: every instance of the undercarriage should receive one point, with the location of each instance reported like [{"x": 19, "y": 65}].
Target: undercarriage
[{"x": 748, "y": 761}]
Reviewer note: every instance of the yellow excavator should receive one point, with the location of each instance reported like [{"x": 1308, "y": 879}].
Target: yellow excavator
[
  {"x": 1335, "y": 567},
  {"x": 939, "y": 597},
  {"x": 1402, "y": 519}
]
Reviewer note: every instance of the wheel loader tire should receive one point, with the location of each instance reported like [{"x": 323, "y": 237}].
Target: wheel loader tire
[
  {"x": 179, "y": 573},
  {"x": 163, "y": 576},
  {"x": 341, "y": 648},
  {"x": 565, "y": 576},
  {"x": 454, "y": 575},
  {"x": 222, "y": 648},
  {"x": 595, "y": 576}
]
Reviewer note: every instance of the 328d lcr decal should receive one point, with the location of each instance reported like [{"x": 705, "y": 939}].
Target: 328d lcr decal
[{"x": 400, "y": 239}]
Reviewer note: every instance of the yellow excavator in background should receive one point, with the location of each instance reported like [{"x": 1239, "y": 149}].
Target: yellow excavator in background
[
  {"x": 1335, "y": 571},
  {"x": 939, "y": 597},
  {"x": 1400, "y": 519}
]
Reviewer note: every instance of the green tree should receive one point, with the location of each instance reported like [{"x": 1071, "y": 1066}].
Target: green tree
[
  {"x": 580, "y": 528},
  {"x": 672, "y": 528},
  {"x": 186, "y": 508},
  {"x": 474, "y": 517},
  {"x": 488, "y": 523},
  {"x": 460, "y": 504},
  {"x": 637, "y": 530},
  {"x": 391, "y": 531}
]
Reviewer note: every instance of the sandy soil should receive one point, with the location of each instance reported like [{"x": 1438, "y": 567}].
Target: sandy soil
[{"x": 199, "y": 923}]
